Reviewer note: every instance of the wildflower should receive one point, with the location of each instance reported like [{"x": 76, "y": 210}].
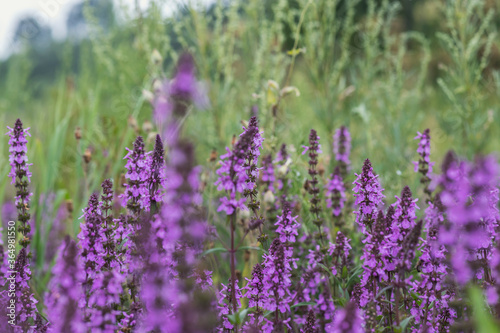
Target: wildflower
[
  {"x": 368, "y": 194},
  {"x": 65, "y": 291},
  {"x": 424, "y": 164},
  {"x": 404, "y": 215},
  {"x": 314, "y": 149},
  {"x": 25, "y": 302},
  {"x": 226, "y": 297},
  {"x": 268, "y": 177},
  {"x": 287, "y": 225},
  {"x": 347, "y": 320},
  {"x": 340, "y": 253},
  {"x": 156, "y": 181},
  {"x": 21, "y": 177},
  {"x": 256, "y": 297},
  {"x": 277, "y": 281},
  {"x": 310, "y": 326},
  {"x": 136, "y": 196},
  {"x": 342, "y": 149},
  {"x": 336, "y": 193}
]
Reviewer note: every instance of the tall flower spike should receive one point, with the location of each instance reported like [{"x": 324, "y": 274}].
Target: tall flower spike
[
  {"x": 25, "y": 302},
  {"x": 268, "y": 177},
  {"x": 287, "y": 225},
  {"x": 277, "y": 282},
  {"x": 235, "y": 172},
  {"x": 368, "y": 194},
  {"x": 255, "y": 294},
  {"x": 21, "y": 177},
  {"x": 340, "y": 253},
  {"x": 335, "y": 193},
  {"x": 224, "y": 306},
  {"x": 314, "y": 149},
  {"x": 136, "y": 196},
  {"x": 347, "y": 320},
  {"x": 310, "y": 326},
  {"x": 424, "y": 164},
  {"x": 156, "y": 180},
  {"x": 65, "y": 291},
  {"x": 404, "y": 215},
  {"x": 342, "y": 149}
]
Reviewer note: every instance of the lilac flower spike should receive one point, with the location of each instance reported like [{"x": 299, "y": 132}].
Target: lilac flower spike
[
  {"x": 314, "y": 149},
  {"x": 156, "y": 181},
  {"x": 347, "y": 320},
  {"x": 232, "y": 173},
  {"x": 65, "y": 291},
  {"x": 21, "y": 176},
  {"x": 136, "y": 196},
  {"x": 336, "y": 193},
  {"x": 368, "y": 194},
  {"x": 287, "y": 225},
  {"x": 424, "y": 164},
  {"x": 255, "y": 294},
  {"x": 342, "y": 149},
  {"x": 25, "y": 302},
  {"x": 404, "y": 215}
]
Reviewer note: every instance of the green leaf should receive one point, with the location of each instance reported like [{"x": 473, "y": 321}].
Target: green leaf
[
  {"x": 213, "y": 250},
  {"x": 482, "y": 318}
]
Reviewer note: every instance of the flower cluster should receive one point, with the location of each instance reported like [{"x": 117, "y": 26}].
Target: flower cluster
[{"x": 342, "y": 149}]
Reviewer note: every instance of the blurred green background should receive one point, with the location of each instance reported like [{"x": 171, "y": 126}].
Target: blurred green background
[{"x": 385, "y": 69}]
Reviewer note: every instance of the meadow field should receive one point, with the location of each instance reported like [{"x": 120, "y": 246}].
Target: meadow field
[{"x": 254, "y": 166}]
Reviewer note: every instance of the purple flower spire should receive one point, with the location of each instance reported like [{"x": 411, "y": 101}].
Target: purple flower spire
[
  {"x": 226, "y": 298},
  {"x": 256, "y": 297},
  {"x": 424, "y": 164},
  {"x": 368, "y": 194},
  {"x": 287, "y": 225},
  {"x": 342, "y": 149},
  {"x": 103, "y": 302},
  {"x": 347, "y": 320},
  {"x": 65, "y": 291},
  {"x": 373, "y": 262},
  {"x": 175, "y": 98},
  {"x": 335, "y": 193},
  {"x": 340, "y": 253},
  {"x": 21, "y": 177},
  {"x": 466, "y": 196},
  {"x": 156, "y": 179},
  {"x": 404, "y": 215},
  {"x": 92, "y": 250},
  {"x": 433, "y": 268},
  {"x": 234, "y": 172},
  {"x": 277, "y": 282},
  {"x": 268, "y": 177},
  {"x": 314, "y": 149},
  {"x": 25, "y": 302},
  {"x": 136, "y": 196},
  {"x": 310, "y": 326},
  {"x": 108, "y": 241}
]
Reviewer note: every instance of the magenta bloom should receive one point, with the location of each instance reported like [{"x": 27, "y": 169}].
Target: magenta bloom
[
  {"x": 65, "y": 291},
  {"x": 368, "y": 194},
  {"x": 287, "y": 225},
  {"x": 233, "y": 176},
  {"x": 342, "y": 149},
  {"x": 335, "y": 193}
]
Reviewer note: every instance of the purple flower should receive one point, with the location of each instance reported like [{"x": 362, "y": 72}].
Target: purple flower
[
  {"x": 175, "y": 97},
  {"x": 21, "y": 176},
  {"x": 277, "y": 278},
  {"x": 236, "y": 173},
  {"x": 312, "y": 187},
  {"x": 404, "y": 215},
  {"x": 368, "y": 194},
  {"x": 255, "y": 294},
  {"x": 424, "y": 164},
  {"x": 342, "y": 149},
  {"x": 136, "y": 195},
  {"x": 310, "y": 326},
  {"x": 65, "y": 291},
  {"x": 25, "y": 302},
  {"x": 103, "y": 302},
  {"x": 287, "y": 225},
  {"x": 340, "y": 253},
  {"x": 347, "y": 320},
  {"x": 336, "y": 197},
  {"x": 224, "y": 305},
  {"x": 156, "y": 181}
]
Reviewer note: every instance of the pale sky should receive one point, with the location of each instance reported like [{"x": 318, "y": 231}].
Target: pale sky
[{"x": 50, "y": 12}]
